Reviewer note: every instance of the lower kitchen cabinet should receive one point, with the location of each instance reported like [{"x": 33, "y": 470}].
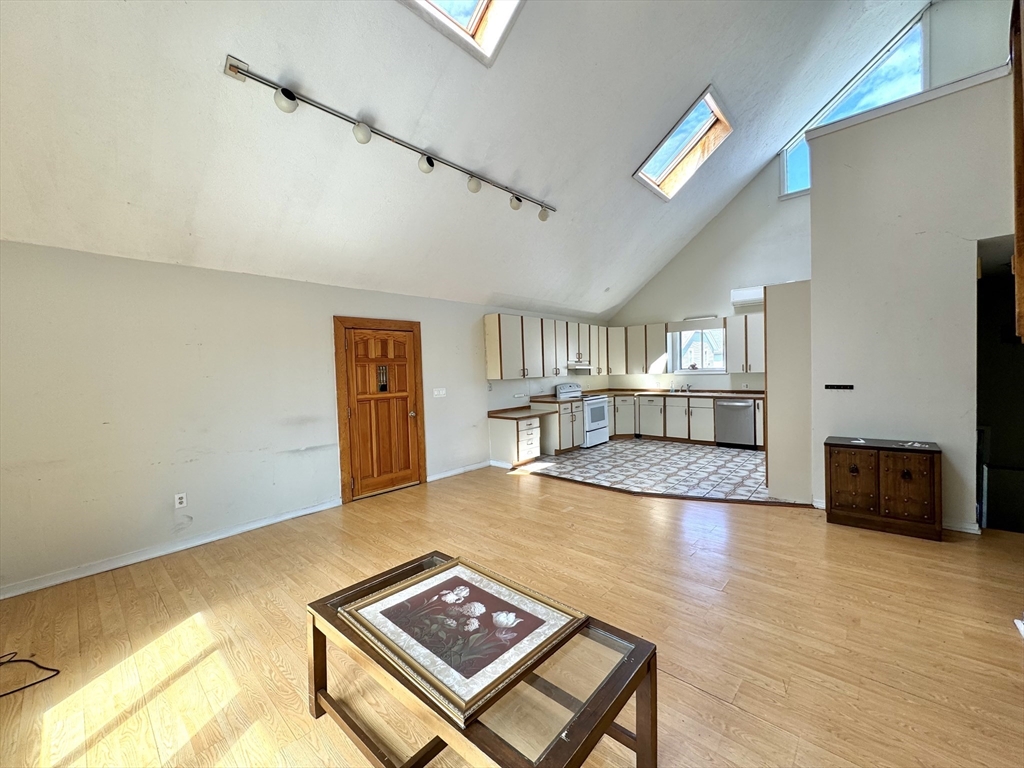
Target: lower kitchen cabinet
[
  {"x": 702, "y": 419},
  {"x": 625, "y": 415},
  {"x": 514, "y": 442},
  {"x": 568, "y": 427},
  {"x": 759, "y": 423},
  {"x": 677, "y": 417},
  {"x": 652, "y": 416}
]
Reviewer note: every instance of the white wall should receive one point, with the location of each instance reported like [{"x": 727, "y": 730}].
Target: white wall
[
  {"x": 788, "y": 347},
  {"x": 124, "y": 382},
  {"x": 899, "y": 203},
  {"x": 966, "y": 37}
]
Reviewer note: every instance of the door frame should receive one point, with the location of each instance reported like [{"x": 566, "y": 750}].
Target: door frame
[{"x": 341, "y": 325}]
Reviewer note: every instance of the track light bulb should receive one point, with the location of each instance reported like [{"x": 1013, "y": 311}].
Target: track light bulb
[
  {"x": 426, "y": 163},
  {"x": 543, "y": 214},
  {"x": 516, "y": 202},
  {"x": 362, "y": 133},
  {"x": 473, "y": 184},
  {"x": 285, "y": 100}
]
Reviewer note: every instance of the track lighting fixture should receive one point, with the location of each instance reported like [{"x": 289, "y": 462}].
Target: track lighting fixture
[
  {"x": 362, "y": 133},
  {"x": 288, "y": 101},
  {"x": 285, "y": 100}
]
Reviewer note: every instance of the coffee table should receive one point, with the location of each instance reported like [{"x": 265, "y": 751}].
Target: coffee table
[{"x": 553, "y": 714}]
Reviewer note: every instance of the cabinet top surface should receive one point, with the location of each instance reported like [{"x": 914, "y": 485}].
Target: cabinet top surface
[
  {"x": 887, "y": 445},
  {"x": 514, "y": 414},
  {"x": 742, "y": 393}
]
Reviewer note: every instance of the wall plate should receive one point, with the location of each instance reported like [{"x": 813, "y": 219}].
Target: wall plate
[{"x": 233, "y": 62}]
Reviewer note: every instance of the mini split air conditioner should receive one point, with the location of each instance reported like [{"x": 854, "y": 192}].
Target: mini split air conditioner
[{"x": 742, "y": 297}]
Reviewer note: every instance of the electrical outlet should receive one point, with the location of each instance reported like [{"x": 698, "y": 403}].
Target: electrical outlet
[
  {"x": 440, "y": 392},
  {"x": 180, "y": 500}
]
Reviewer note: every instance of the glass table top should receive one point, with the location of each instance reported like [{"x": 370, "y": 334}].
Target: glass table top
[{"x": 537, "y": 711}]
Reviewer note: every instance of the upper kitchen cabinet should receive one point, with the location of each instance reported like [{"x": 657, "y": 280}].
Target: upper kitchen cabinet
[
  {"x": 584, "y": 347},
  {"x": 573, "y": 332},
  {"x": 744, "y": 343},
  {"x": 533, "y": 353},
  {"x": 636, "y": 349},
  {"x": 657, "y": 348},
  {"x": 602, "y": 351},
  {"x": 595, "y": 348},
  {"x": 556, "y": 355},
  {"x": 616, "y": 361}
]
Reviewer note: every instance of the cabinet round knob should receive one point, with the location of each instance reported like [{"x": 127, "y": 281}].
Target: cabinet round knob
[
  {"x": 854, "y": 470},
  {"x": 906, "y": 475}
]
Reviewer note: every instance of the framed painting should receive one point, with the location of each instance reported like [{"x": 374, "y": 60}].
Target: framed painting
[{"x": 460, "y": 632}]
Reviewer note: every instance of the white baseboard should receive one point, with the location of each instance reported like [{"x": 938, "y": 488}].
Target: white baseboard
[
  {"x": 818, "y": 503},
  {"x": 119, "y": 561},
  {"x": 966, "y": 528},
  {"x": 459, "y": 471},
  {"x": 502, "y": 464}
]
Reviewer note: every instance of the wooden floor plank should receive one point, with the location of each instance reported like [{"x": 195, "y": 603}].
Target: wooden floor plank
[{"x": 781, "y": 640}]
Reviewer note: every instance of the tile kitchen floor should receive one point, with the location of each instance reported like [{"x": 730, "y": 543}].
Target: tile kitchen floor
[{"x": 656, "y": 466}]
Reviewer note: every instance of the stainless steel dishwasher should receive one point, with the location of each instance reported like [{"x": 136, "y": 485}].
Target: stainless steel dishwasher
[{"x": 734, "y": 422}]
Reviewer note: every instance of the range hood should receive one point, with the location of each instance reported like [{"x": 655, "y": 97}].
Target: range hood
[{"x": 583, "y": 368}]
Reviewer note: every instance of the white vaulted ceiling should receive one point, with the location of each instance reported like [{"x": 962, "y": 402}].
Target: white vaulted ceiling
[{"x": 120, "y": 134}]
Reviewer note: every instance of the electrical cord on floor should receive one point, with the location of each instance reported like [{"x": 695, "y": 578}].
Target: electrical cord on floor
[{"x": 11, "y": 658}]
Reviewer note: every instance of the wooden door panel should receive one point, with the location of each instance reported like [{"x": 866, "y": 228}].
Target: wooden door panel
[
  {"x": 383, "y": 434},
  {"x": 906, "y": 486},
  {"x": 854, "y": 478}
]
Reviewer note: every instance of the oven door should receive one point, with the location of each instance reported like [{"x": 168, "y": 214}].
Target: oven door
[{"x": 595, "y": 413}]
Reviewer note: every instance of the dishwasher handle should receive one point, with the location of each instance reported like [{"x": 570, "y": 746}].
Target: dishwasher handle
[{"x": 735, "y": 403}]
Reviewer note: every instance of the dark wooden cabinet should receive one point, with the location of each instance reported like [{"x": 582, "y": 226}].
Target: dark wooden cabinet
[{"x": 885, "y": 485}]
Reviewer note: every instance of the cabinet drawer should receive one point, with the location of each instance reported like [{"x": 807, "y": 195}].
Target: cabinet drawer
[
  {"x": 621, "y": 400},
  {"x": 565, "y": 408},
  {"x": 530, "y": 434},
  {"x": 525, "y": 425},
  {"x": 529, "y": 451},
  {"x": 854, "y": 477},
  {"x": 577, "y": 407},
  {"x": 659, "y": 401},
  {"x": 907, "y": 486},
  {"x": 676, "y": 402},
  {"x": 702, "y": 402}
]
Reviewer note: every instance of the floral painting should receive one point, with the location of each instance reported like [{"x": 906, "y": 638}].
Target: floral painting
[{"x": 462, "y": 624}]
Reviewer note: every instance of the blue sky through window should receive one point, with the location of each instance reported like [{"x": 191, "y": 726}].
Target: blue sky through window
[
  {"x": 679, "y": 138},
  {"x": 898, "y": 75},
  {"x": 461, "y": 11}
]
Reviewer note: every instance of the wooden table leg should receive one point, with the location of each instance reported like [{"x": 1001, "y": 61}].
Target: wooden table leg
[
  {"x": 317, "y": 658},
  {"x": 647, "y": 717}
]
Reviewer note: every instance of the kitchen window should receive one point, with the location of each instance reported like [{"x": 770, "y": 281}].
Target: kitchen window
[
  {"x": 477, "y": 26},
  {"x": 699, "y": 133},
  {"x": 696, "y": 350}
]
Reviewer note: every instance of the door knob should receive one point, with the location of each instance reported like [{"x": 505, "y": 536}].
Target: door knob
[{"x": 412, "y": 414}]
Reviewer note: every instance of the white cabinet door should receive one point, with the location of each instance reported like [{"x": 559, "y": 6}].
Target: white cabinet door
[
  {"x": 616, "y": 351},
  {"x": 533, "y": 356},
  {"x": 565, "y": 431},
  {"x": 625, "y": 416},
  {"x": 561, "y": 348},
  {"x": 677, "y": 417},
  {"x": 636, "y": 349},
  {"x": 577, "y": 429},
  {"x": 702, "y": 419},
  {"x": 602, "y": 351},
  {"x": 547, "y": 332},
  {"x": 652, "y": 420},
  {"x": 759, "y": 422},
  {"x": 511, "y": 328},
  {"x": 492, "y": 346},
  {"x": 595, "y": 348},
  {"x": 574, "y": 342},
  {"x": 755, "y": 342},
  {"x": 584, "y": 343},
  {"x": 657, "y": 348},
  {"x": 736, "y": 344}
]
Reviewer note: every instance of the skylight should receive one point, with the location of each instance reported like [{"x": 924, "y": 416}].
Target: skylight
[
  {"x": 478, "y": 26},
  {"x": 699, "y": 133},
  {"x": 897, "y": 72}
]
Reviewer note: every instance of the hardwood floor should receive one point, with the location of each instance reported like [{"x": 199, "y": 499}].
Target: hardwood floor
[{"x": 781, "y": 640}]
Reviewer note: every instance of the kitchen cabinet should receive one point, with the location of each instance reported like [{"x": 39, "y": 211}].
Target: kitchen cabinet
[
  {"x": 677, "y": 417},
  {"x": 573, "y": 347},
  {"x": 625, "y": 415},
  {"x": 555, "y": 353},
  {"x": 652, "y": 416},
  {"x": 616, "y": 360},
  {"x": 744, "y": 343},
  {"x": 503, "y": 346},
  {"x": 759, "y": 423},
  {"x": 636, "y": 349},
  {"x": 570, "y": 425},
  {"x": 657, "y": 348},
  {"x": 514, "y": 441},
  {"x": 702, "y": 419},
  {"x": 533, "y": 354},
  {"x": 584, "y": 348},
  {"x": 595, "y": 348}
]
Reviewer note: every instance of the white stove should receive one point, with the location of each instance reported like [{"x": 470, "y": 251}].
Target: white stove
[{"x": 595, "y": 412}]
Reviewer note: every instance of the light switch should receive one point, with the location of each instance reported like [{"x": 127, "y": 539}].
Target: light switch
[{"x": 440, "y": 392}]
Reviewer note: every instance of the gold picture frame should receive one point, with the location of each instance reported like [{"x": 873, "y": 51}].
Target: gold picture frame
[{"x": 462, "y": 703}]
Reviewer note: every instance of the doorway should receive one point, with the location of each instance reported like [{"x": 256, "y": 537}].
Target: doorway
[
  {"x": 1000, "y": 479},
  {"x": 380, "y": 405}
]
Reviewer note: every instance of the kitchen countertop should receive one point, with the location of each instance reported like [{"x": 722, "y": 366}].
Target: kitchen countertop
[
  {"x": 750, "y": 394},
  {"x": 514, "y": 414}
]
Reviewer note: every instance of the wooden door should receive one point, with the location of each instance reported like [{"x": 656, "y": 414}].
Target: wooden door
[
  {"x": 853, "y": 480},
  {"x": 380, "y": 399},
  {"x": 906, "y": 486},
  {"x": 533, "y": 354}
]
